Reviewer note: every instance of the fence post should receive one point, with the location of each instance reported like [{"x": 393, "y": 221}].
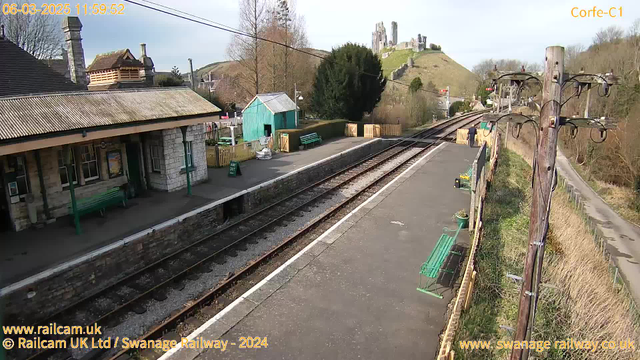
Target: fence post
[{"x": 217, "y": 152}]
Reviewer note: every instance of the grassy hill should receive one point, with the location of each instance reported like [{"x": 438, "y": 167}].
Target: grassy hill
[
  {"x": 233, "y": 68},
  {"x": 434, "y": 66}
]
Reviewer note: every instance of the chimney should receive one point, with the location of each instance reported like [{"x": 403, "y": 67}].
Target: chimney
[
  {"x": 148, "y": 72},
  {"x": 71, "y": 26}
]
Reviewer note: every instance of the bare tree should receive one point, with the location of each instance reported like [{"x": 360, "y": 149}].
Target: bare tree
[
  {"x": 609, "y": 35},
  {"x": 634, "y": 40},
  {"x": 246, "y": 49},
  {"x": 571, "y": 53},
  {"x": 39, "y": 35}
]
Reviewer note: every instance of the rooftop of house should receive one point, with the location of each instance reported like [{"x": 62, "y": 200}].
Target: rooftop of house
[
  {"x": 21, "y": 73},
  {"x": 114, "y": 60},
  {"x": 276, "y": 102},
  {"x": 23, "y": 117}
]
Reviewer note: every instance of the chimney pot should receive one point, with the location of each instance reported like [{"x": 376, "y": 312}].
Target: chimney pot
[{"x": 143, "y": 49}]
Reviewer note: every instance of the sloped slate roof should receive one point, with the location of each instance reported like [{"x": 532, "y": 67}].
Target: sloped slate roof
[
  {"x": 275, "y": 102},
  {"x": 21, "y": 73},
  {"x": 113, "y": 60},
  {"x": 33, "y": 115}
]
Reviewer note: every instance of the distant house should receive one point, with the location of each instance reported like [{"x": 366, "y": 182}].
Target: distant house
[
  {"x": 267, "y": 113},
  {"x": 120, "y": 69}
]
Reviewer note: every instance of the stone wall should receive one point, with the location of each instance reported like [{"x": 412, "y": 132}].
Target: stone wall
[
  {"x": 174, "y": 157},
  {"x": 397, "y": 73},
  {"x": 58, "y": 197},
  {"x": 57, "y": 288}
]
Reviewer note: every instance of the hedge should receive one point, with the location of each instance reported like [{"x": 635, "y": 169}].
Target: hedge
[{"x": 327, "y": 129}]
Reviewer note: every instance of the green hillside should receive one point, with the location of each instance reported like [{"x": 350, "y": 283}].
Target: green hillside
[{"x": 434, "y": 66}]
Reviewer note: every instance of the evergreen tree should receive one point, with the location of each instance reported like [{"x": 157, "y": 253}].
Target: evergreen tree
[{"x": 349, "y": 82}]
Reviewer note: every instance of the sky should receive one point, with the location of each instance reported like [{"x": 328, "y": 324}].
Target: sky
[{"x": 469, "y": 31}]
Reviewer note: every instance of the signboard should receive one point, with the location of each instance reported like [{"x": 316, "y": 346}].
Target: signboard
[
  {"x": 114, "y": 163},
  {"x": 234, "y": 169}
]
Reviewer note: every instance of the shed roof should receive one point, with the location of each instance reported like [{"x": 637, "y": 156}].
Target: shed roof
[
  {"x": 32, "y": 115},
  {"x": 275, "y": 102},
  {"x": 113, "y": 60}
]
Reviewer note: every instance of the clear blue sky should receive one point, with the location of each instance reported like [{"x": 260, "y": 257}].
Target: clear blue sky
[{"x": 467, "y": 30}]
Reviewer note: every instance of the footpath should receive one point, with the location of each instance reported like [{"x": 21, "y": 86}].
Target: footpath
[{"x": 620, "y": 236}]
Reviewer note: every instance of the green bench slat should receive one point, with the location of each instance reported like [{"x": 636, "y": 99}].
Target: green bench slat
[
  {"x": 99, "y": 201},
  {"x": 431, "y": 267},
  {"x": 310, "y": 138}
]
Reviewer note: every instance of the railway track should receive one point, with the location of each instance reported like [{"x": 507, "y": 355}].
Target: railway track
[{"x": 108, "y": 307}]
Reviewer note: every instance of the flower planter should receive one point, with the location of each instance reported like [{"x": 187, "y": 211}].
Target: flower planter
[{"x": 464, "y": 221}]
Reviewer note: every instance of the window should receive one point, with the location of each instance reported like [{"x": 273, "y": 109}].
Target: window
[
  {"x": 62, "y": 169},
  {"x": 21, "y": 184},
  {"x": 156, "y": 158},
  {"x": 89, "y": 162},
  {"x": 189, "y": 155}
]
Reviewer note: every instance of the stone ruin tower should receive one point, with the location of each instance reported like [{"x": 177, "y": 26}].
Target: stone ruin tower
[{"x": 379, "y": 38}]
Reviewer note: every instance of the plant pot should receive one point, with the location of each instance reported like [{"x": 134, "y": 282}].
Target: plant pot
[{"x": 464, "y": 221}]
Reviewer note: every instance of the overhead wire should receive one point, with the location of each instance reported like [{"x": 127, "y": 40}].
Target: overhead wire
[{"x": 206, "y": 22}]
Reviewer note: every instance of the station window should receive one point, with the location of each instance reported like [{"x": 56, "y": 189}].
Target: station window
[
  {"x": 20, "y": 186},
  {"x": 156, "y": 158},
  {"x": 62, "y": 169},
  {"x": 189, "y": 155},
  {"x": 89, "y": 162}
]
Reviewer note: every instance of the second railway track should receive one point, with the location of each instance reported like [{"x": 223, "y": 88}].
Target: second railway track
[{"x": 110, "y": 307}]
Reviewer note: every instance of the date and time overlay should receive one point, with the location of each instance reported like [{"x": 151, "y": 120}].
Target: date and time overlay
[{"x": 62, "y": 9}]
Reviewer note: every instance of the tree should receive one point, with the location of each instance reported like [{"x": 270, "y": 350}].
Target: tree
[
  {"x": 39, "y": 35},
  {"x": 416, "y": 84},
  {"x": 246, "y": 49},
  {"x": 175, "y": 72},
  {"x": 608, "y": 35},
  {"x": 173, "y": 79},
  {"x": 348, "y": 83}
]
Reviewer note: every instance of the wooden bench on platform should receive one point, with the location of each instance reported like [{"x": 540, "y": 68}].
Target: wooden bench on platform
[
  {"x": 310, "y": 139},
  {"x": 432, "y": 268},
  {"x": 99, "y": 202}
]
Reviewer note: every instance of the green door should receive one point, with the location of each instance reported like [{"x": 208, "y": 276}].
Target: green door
[{"x": 133, "y": 160}]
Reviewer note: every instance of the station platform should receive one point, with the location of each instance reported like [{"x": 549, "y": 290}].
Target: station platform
[
  {"x": 352, "y": 292},
  {"x": 31, "y": 251}
]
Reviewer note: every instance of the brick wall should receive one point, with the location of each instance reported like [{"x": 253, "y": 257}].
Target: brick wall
[{"x": 97, "y": 271}]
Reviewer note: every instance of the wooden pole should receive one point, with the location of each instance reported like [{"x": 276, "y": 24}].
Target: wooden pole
[{"x": 543, "y": 173}]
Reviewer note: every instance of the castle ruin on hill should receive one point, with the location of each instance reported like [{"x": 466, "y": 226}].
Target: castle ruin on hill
[{"x": 379, "y": 40}]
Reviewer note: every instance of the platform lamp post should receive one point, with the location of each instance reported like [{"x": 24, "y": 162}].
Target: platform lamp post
[
  {"x": 297, "y": 95},
  {"x": 67, "y": 156},
  {"x": 186, "y": 157}
]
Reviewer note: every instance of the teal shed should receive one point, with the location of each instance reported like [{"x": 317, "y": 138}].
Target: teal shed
[{"x": 267, "y": 113}]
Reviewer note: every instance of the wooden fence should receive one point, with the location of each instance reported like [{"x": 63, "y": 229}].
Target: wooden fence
[
  {"x": 463, "y": 298},
  {"x": 219, "y": 156},
  {"x": 378, "y": 130}
]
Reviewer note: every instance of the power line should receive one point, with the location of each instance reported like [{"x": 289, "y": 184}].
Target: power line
[{"x": 219, "y": 26}]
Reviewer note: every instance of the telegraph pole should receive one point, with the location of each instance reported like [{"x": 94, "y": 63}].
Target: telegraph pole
[{"x": 543, "y": 178}]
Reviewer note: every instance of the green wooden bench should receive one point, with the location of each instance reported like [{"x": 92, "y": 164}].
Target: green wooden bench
[
  {"x": 432, "y": 268},
  {"x": 225, "y": 140},
  {"x": 310, "y": 139},
  {"x": 99, "y": 202}
]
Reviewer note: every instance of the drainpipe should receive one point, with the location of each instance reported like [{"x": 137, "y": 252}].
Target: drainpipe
[
  {"x": 43, "y": 190},
  {"x": 186, "y": 160},
  {"x": 67, "y": 162}
]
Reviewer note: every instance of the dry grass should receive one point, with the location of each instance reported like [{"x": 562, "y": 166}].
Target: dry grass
[
  {"x": 620, "y": 199},
  {"x": 581, "y": 303}
]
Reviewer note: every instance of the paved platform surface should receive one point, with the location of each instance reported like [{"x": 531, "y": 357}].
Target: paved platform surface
[
  {"x": 621, "y": 235},
  {"x": 28, "y": 252},
  {"x": 352, "y": 293}
]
